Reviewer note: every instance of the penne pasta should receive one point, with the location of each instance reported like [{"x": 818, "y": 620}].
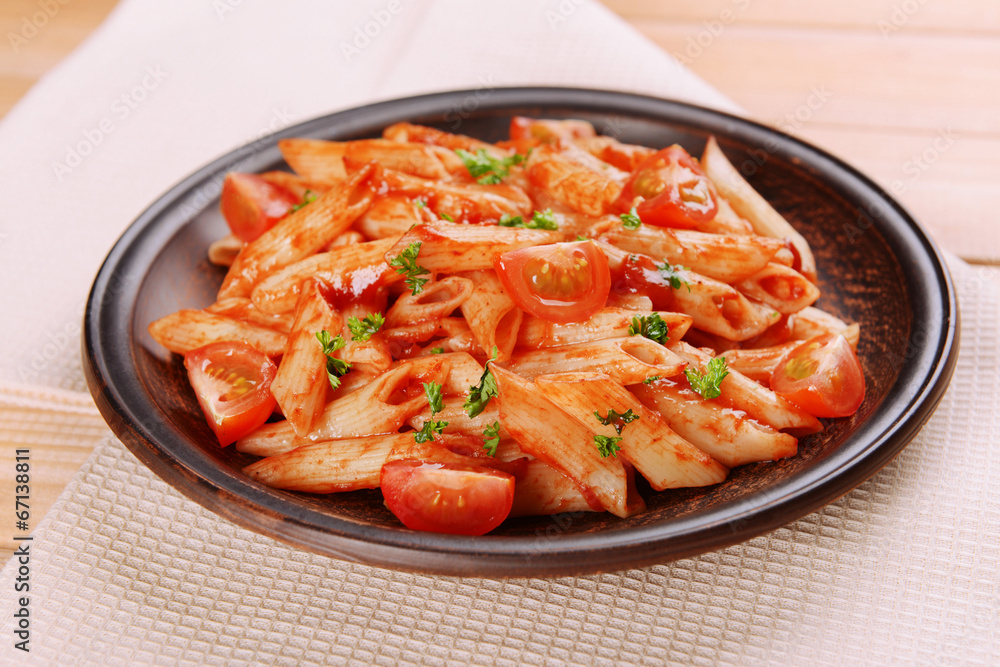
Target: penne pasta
[
  {"x": 780, "y": 287},
  {"x": 607, "y": 323},
  {"x": 580, "y": 188},
  {"x": 626, "y": 360},
  {"x": 187, "y": 330},
  {"x": 493, "y": 317}
]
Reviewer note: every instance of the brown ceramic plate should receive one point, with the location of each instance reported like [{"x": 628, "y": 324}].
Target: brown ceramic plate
[{"x": 876, "y": 267}]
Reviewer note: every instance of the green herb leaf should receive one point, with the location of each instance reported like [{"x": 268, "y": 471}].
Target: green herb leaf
[
  {"x": 437, "y": 350},
  {"x": 307, "y": 198},
  {"x": 651, "y": 380},
  {"x": 650, "y": 326},
  {"x": 362, "y": 330},
  {"x": 670, "y": 274},
  {"x": 430, "y": 427},
  {"x": 487, "y": 169},
  {"x": 543, "y": 220},
  {"x": 508, "y": 220},
  {"x": 433, "y": 391},
  {"x": 445, "y": 216},
  {"x": 581, "y": 237},
  {"x": 607, "y": 446},
  {"x": 480, "y": 395},
  {"x": 421, "y": 203},
  {"x": 491, "y": 438},
  {"x": 617, "y": 419},
  {"x": 335, "y": 368},
  {"x": 707, "y": 385},
  {"x": 406, "y": 264},
  {"x": 631, "y": 219}
]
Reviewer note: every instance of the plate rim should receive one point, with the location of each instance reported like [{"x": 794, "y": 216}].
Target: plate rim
[{"x": 507, "y": 555}]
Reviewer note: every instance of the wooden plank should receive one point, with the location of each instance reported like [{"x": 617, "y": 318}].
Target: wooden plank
[
  {"x": 911, "y": 81},
  {"x": 890, "y": 17}
]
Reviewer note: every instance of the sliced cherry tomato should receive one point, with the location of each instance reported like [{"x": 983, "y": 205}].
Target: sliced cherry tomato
[
  {"x": 548, "y": 131},
  {"x": 822, "y": 376},
  {"x": 447, "y": 498},
  {"x": 670, "y": 189},
  {"x": 560, "y": 282},
  {"x": 233, "y": 383},
  {"x": 251, "y": 205}
]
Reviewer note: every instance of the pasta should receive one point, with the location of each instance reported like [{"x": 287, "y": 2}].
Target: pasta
[{"x": 520, "y": 328}]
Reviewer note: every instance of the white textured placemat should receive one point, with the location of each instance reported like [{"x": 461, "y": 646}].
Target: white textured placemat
[{"x": 125, "y": 571}]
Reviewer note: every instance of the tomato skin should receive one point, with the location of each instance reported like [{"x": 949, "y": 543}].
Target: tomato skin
[
  {"x": 447, "y": 498},
  {"x": 547, "y": 130},
  {"x": 232, "y": 381},
  {"x": 670, "y": 189},
  {"x": 251, "y": 205},
  {"x": 559, "y": 282},
  {"x": 823, "y": 376}
]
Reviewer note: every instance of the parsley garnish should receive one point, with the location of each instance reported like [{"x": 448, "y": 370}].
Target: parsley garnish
[
  {"x": 433, "y": 391},
  {"x": 581, "y": 237},
  {"x": 607, "y": 446},
  {"x": 487, "y": 169},
  {"x": 406, "y": 265},
  {"x": 617, "y": 419},
  {"x": 445, "y": 216},
  {"x": 491, "y": 438},
  {"x": 421, "y": 203},
  {"x": 631, "y": 219},
  {"x": 650, "y": 326},
  {"x": 362, "y": 330},
  {"x": 431, "y": 426},
  {"x": 708, "y": 384},
  {"x": 307, "y": 198},
  {"x": 480, "y": 395},
  {"x": 539, "y": 220},
  {"x": 335, "y": 368},
  {"x": 651, "y": 380},
  {"x": 670, "y": 274},
  {"x": 437, "y": 350}
]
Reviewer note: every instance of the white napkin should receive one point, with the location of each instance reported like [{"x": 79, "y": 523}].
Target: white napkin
[{"x": 126, "y": 571}]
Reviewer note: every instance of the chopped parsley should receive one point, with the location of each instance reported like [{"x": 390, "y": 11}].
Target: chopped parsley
[
  {"x": 607, "y": 446},
  {"x": 420, "y": 203},
  {"x": 669, "y": 273},
  {"x": 581, "y": 237},
  {"x": 480, "y": 395},
  {"x": 707, "y": 384},
  {"x": 335, "y": 368},
  {"x": 488, "y": 169},
  {"x": 617, "y": 419},
  {"x": 651, "y": 380},
  {"x": 650, "y": 326},
  {"x": 406, "y": 264},
  {"x": 491, "y": 438},
  {"x": 431, "y": 426},
  {"x": 437, "y": 350},
  {"x": 307, "y": 198},
  {"x": 433, "y": 391},
  {"x": 362, "y": 330},
  {"x": 631, "y": 219},
  {"x": 445, "y": 216},
  {"x": 539, "y": 220}
]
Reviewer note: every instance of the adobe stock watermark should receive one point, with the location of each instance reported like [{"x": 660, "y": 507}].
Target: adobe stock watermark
[
  {"x": 224, "y": 7},
  {"x": 901, "y": 14},
  {"x": 468, "y": 105},
  {"x": 364, "y": 34},
  {"x": 920, "y": 163},
  {"x": 710, "y": 31},
  {"x": 120, "y": 110},
  {"x": 33, "y": 24},
  {"x": 562, "y": 12}
]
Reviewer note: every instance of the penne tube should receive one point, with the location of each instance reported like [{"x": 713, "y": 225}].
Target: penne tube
[
  {"x": 582, "y": 189},
  {"x": 224, "y": 251},
  {"x": 374, "y": 351},
  {"x": 187, "y": 330},
  {"x": 727, "y": 221},
  {"x": 546, "y": 432},
  {"x": 780, "y": 287},
  {"x": 758, "y": 363},
  {"x": 347, "y": 238},
  {"x": 331, "y": 161},
  {"x": 743, "y": 393},
  {"x": 429, "y": 135},
  {"x": 298, "y": 235},
  {"x": 811, "y": 322},
  {"x": 437, "y": 299},
  {"x": 623, "y": 156},
  {"x": 242, "y": 308},
  {"x": 459, "y": 421},
  {"x": 724, "y": 257},
  {"x": 540, "y": 489},
  {"x": 748, "y": 203},
  {"x": 447, "y": 247},
  {"x": 352, "y": 270},
  {"x": 380, "y": 407},
  {"x": 730, "y": 437},
  {"x": 663, "y": 457},
  {"x": 294, "y": 183},
  {"x": 391, "y": 216},
  {"x": 463, "y": 202},
  {"x": 606, "y": 323},
  {"x": 626, "y": 360},
  {"x": 491, "y": 314},
  {"x": 301, "y": 382},
  {"x": 330, "y": 466}
]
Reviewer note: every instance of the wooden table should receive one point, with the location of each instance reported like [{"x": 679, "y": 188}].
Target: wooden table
[{"x": 908, "y": 91}]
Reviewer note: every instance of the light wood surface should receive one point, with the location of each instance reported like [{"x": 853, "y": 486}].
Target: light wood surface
[{"x": 908, "y": 91}]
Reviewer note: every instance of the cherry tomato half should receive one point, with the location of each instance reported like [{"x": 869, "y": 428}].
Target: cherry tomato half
[
  {"x": 547, "y": 131},
  {"x": 251, "y": 205},
  {"x": 822, "y": 376},
  {"x": 559, "y": 282},
  {"x": 447, "y": 498},
  {"x": 670, "y": 189},
  {"x": 233, "y": 383}
]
